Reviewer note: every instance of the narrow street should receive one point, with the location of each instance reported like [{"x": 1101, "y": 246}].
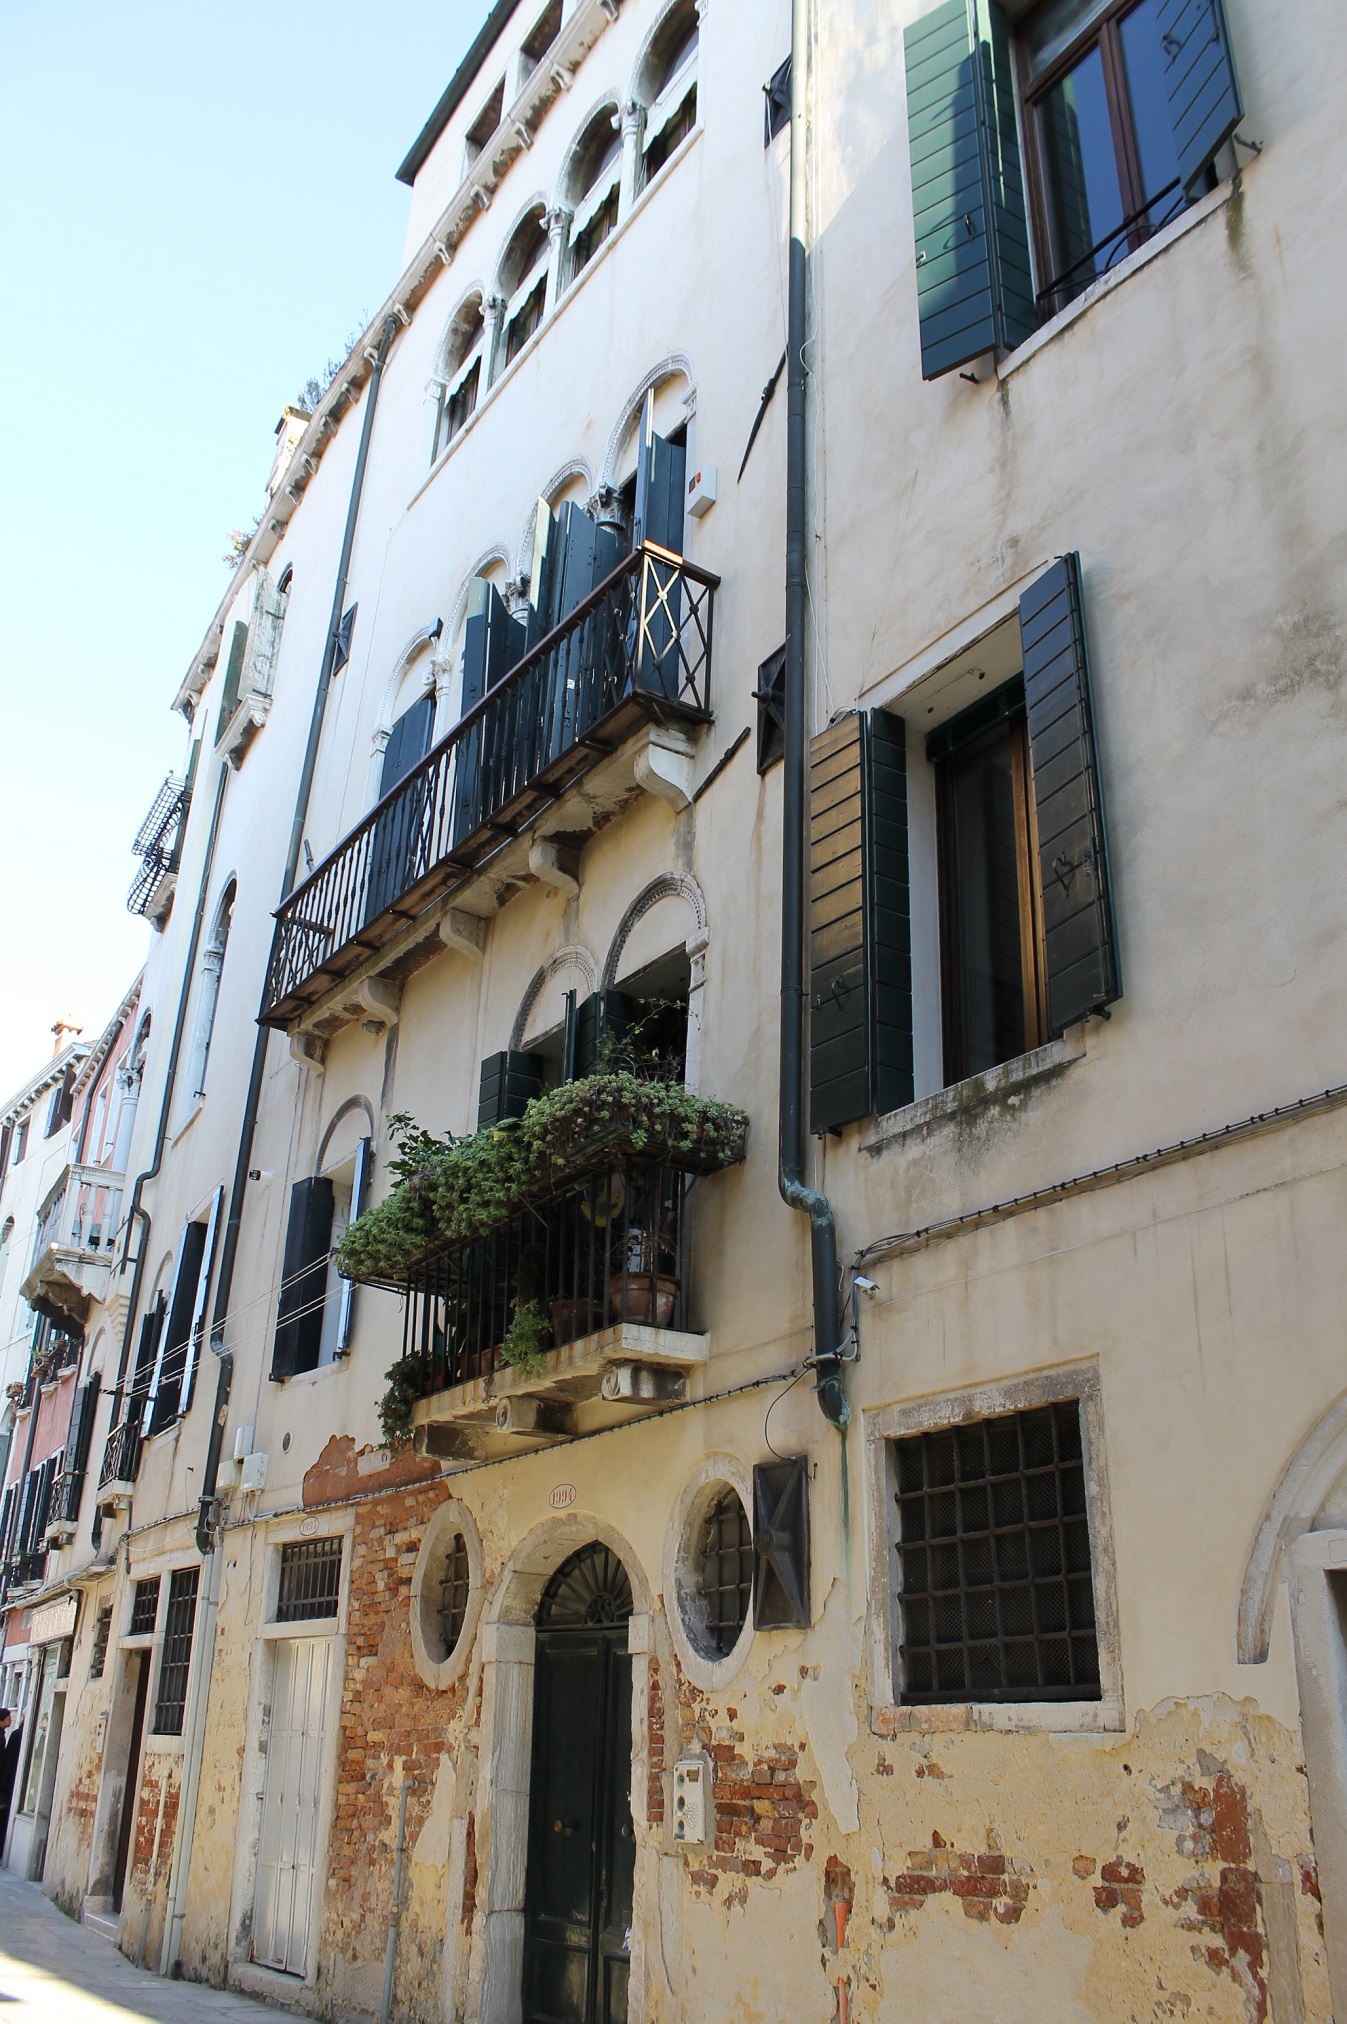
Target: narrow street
[{"x": 58, "y": 1972}]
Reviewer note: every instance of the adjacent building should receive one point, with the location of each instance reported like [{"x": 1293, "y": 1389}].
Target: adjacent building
[{"x": 721, "y": 1393}]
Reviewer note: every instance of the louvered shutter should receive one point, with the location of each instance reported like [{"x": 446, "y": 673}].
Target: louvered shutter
[
  {"x": 781, "y": 1544},
  {"x": 541, "y": 575},
  {"x": 229, "y": 695},
  {"x": 509, "y": 1082},
  {"x": 6, "y": 1140},
  {"x": 1079, "y": 935},
  {"x": 860, "y": 934},
  {"x": 492, "y": 644},
  {"x": 197, "y": 1331},
  {"x": 975, "y": 290},
  {"x": 360, "y": 1186},
  {"x": 8, "y": 1507},
  {"x": 161, "y": 1403},
  {"x": 341, "y": 645},
  {"x": 82, "y": 1423},
  {"x": 661, "y": 478},
  {"x": 147, "y": 1349},
  {"x": 408, "y": 743},
  {"x": 1204, "y": 101},
  {"x": 28, "y": 1511},
  {"x": 46, "y": 1476},
  {"x": 777, "y": 94},
  {"x": 299, "y": 1313},
  {"x": 395, "y": 850}
]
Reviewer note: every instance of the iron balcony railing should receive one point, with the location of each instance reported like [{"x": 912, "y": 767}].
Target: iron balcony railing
[
  {"x": 121, "y": 1450},
  {"x": 23, "y": 1570},
  {"x": 158, "y": 842},
  {"x": 608, "y": 1249},
  {"x": 637, "y": 648},
  {"x": 67, "y": 1490}
]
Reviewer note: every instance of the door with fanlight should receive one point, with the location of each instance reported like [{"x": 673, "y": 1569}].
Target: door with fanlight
[{"x": 288, "y": 1849}]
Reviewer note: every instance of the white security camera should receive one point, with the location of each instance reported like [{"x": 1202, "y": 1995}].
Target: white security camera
[{"x": 866, "y": 1286}]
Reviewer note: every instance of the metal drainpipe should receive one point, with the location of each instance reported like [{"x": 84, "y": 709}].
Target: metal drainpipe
[
  {"x": 207, "y": 1542},
  {"x": 136, "y": 1212},
  {"x": 795, "y": 800}
]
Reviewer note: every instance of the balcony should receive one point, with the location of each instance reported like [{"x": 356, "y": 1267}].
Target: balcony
[
  {"x": 121, "y": 1456},
  {"x": 595, "y": 712},
  {"x": 20, "y": 1574},
  {"x": 76, "y": 1240},
  {"x": 63, "y": 1513},
  {"x": 158, "y": 845}
]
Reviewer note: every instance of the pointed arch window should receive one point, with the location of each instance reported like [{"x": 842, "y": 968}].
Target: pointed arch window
[
  {"x": 594, "y": 187},
  {"x": 212, "y": 968},
  {"x": 670, "y": 87},
  {"x": 523, "y": 283},
  {"x": 461, "y": 376}
]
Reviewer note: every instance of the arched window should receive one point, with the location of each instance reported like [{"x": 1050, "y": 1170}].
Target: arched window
[
  {"x": 522, "y": 283},
  {"x": 593, "y": 186},
  {"x": 212, "y": 964},
  {"x": 667, "y": 85},
  {"x": 460, "y": 373}
]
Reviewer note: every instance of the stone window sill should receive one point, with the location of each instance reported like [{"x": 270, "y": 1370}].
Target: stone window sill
[
  {"x": 1196, "y": 215},
  {"x": 1006, "y": 1080},
  {"x": 1066, "y": 1718}
]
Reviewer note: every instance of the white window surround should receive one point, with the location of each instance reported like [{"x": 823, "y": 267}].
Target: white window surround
[
  {"x": 712, "y": 1473},
  {"x": 569, "y": 295},
  {"x": 1187, "y": 221},
  {"x": 888, "y": 1715},
  {"x": 993, "y": 1085},
  {"x": 448, "y": 1518}
]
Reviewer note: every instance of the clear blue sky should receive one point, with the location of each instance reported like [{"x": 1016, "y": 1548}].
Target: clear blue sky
[{"x": 198, "y": 205}]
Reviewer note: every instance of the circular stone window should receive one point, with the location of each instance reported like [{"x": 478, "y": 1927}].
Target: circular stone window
[
  {"x": 715, "y": 1584},
  {"x": 446, "y": 1594}
]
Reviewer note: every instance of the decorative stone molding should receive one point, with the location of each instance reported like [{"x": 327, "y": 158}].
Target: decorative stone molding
[
  {"x": 669, "y": 886},
  {"x": 465, "y": 933},
  {"x": 380, "y": 1001},
  {"x": 699, "y": 1488},
  {"x": 309, "y": 1051},
  {"x": 555, "y": 865},
  {"x": 574, "y": 958},
  {"x": 437, "y": 1667},
  {"x": 664, "y": 764},
  {"x": 671, "y": 367},
  {"x": 573, "y": 468}
]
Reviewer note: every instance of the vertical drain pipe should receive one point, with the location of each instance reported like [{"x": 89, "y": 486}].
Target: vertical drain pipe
[
  {"x": 208, "y": 1543},
  {"x": 795, "y": 798}
]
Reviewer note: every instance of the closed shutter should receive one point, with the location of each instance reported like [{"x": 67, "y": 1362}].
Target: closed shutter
[
  {"x": 360, "y": 1185},
  {"x": 396, "y": 854},
  {"x": 299, "y": 1314},
  {"x": 860, "y": 936},
  {"x": 229, "y": 695},
  {"x": 781, "y": 1544},
  {"x": 46, "y": 1476},
  {"x": 8, "y": 1509},
  {"x": 492, "y": 643},
  {"x": 975, "y": 290},
  {"x": 28, "y": 1511},
  {"x": 161, "y": 1404},
  {"x": 1204, "y": 101},
  {"x": 539, "y": 619},
  {"x": 408, "y": 743},
  {"x": 196, "y": 1334},
  {"x": 509, "y": 1082},
  {"x": 341, "y": 645},
  {"x": 82, "y": 1424},
  {"x": 1081, "y": 953},
  {"x": 6, "y": 1140}
]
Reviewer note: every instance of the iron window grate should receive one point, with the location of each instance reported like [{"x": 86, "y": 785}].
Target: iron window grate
[
  {"x": 726, "y": 1571},
  {"x": 144, "y": 1608},
  {"x": 99, "y": 1654},
  {"x": 179, "y": 1622},
  {"x": 310, "y": 1580},
  {"x": 995, "y": 1586},
  {"x": 455, "y": 1588}
]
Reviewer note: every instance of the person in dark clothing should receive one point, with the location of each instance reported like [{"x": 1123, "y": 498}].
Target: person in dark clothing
[{"x": 11, "y": 1742}]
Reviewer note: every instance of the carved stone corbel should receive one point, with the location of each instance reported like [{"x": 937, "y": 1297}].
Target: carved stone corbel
[
  {"x": 663, "y": 766},
  {"x": 465, "y": 933},
  {"x": 555, "y": 866},
  {"x": 381, "y": 1002}
]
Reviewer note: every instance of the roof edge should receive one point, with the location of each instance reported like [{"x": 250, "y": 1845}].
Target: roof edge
[{"x": 455, "y": 91}]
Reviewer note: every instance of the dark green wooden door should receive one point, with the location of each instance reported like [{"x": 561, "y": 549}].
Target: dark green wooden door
[{"x": 578, "y": 1904}]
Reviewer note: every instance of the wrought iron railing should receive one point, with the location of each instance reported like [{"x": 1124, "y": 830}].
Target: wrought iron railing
[
  {"x": 22, "y": 1570},
  {"x": 67, "y": 1490},
  {"x": 121, "y": 1450},
  {"x": 609, "y": 1249},
  {"x": 158, "y": 842},
  {"x": 637, "y": 648},
  {"x": 1139, "y": 225}
]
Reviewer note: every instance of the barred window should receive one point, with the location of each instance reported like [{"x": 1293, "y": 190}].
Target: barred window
[
  {"x": 995, "y": 1590},
  {"x": 310, "y": 1580},
  {"x": 179, "y": 1623},
  {"x": 455, "y": 1588},
  {"x": 715, "y": 1587},
  {"x": 144, "y": 1608},
  {"x": 99, "y": 1654}
]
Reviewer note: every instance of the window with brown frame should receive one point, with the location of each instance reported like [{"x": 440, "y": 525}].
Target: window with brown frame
[
  {"x": 992, "y": 984},
  {"x": 1102, "y": 155}
]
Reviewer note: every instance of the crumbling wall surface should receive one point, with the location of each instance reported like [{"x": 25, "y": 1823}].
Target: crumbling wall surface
[
  {"x": 145, "y": 1896},
  {"x": 1163, "y": 1872},
  {"x": 79, "y": 1772},
  {"x": 394, "y": 1727}
]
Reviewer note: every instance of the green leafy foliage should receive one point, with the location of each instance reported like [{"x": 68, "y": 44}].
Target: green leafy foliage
[{"x": 526, "y": 1338}]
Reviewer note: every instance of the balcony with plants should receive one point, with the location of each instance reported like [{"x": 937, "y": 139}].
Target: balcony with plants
[
  {"x": 546, "y": 1263},
  {"x": 569, "y": 706}
]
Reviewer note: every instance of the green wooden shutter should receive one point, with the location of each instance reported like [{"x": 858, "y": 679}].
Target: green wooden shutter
[
  {"x": 661, "y": 476},
  {"x": 975, "y": 291},
  {"x": 360, "y": 1186},
  {"x": 508, "y": 1083},
  {"x": 408, "y": 743},
  {"x": 229, "y": 695},
  {"x": 197, "y": 1333},
  {"x": 601, "y": 1012},
  {"x": 860, "y": 965},
  {"x": 1204, "y": 100},
  {"x": 781, "y": 1544},
  {"x": 1079, "y": 934},
  {"x": 299, "y": 1315}
]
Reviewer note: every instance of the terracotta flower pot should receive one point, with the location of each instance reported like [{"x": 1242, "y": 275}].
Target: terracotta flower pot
[
  {"x": 572, "y": 1318},
  {"x": 650, "y": 1298}
]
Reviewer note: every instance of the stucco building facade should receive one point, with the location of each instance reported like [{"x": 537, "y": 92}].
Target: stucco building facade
[{"x": 984, "y": 1659}]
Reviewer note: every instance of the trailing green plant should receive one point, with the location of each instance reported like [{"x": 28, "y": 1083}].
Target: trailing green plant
[
  {"x": 525, "y": 1339},
  {"x": 449, "y": 1191},
  {"x": 407, "y": 1382}
]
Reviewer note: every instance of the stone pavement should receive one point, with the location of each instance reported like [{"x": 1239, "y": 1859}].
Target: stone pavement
[{"x": 55, "y": 1972}]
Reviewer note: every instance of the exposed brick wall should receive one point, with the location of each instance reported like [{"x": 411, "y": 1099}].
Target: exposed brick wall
[
  {"x": 654, "y": 1804},
  {"x": 987, "y": 1883},
  {"x": 763, "y": 1809}
]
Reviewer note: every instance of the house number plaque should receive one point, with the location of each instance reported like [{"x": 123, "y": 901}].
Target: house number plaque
[{"x": 563, "y": 1497}]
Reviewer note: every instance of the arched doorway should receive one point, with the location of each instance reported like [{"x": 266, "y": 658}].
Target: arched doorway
[{"x": 581, "y": 1856}]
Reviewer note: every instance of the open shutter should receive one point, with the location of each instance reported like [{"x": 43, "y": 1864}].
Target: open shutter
[
  {"x": 601, "y": 1012},
  {"x": 509, "y": 1082},
  {"x": 541, "y": 575},
  {"x": 166, "y": 1338},
  {"x": 197, "y": 1330},
  {"x": 1204, "y": 101},
  {"x": 492, "y": 643},
  {"x": 860, "y": 935},
  {"x": 229, "y": 695},
  {"x": 781, "y": 1544},
  {"x": 360, "y": 1186},
  {"x": 975, "y": 291},
  {"x": 1078, "y": 929},
  {"x": 408, "y": 743},
  {"x": 299, "y": 1313},
  {"x": 341, "y": 645},
  {"x": 661, "y": 476},
  {"x": 82, "y": 1424}
]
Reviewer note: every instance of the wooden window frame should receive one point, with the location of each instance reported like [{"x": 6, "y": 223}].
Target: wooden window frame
[
  {"x": 1033, "y": 955},
  {"x": 1104, "y": 32}
]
